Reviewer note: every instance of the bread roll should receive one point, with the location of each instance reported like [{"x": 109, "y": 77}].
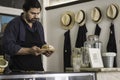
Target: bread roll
[{"x": 48, "y": 47}]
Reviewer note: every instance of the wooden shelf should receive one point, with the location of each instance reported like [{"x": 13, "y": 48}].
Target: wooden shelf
[
  {"x": 66, "y": 4},
  {"x": 95, "y": 69}
]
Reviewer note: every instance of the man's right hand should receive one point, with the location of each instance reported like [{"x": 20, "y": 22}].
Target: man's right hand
[{"x": 37, "y": 51}]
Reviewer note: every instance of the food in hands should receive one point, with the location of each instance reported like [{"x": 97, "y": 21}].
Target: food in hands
[{"x": 48, "y": 47}]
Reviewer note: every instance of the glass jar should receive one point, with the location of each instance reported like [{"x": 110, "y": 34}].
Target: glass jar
[
  {"x": 92, "y": 42},
  {"x": 76, "y": 59}
]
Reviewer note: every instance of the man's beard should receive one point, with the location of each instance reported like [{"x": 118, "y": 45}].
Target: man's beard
[{"x": 33, "y": 20}]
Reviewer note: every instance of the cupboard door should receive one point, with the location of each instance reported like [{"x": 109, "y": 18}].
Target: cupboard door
[{"x": 12, "y": 3}]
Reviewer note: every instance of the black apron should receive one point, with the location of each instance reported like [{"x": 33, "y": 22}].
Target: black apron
[
  {"x": 81, "y": 36},
  {"x": 111, "y": 45},
  {"x": 67, "y": 50},
  {"x": 97, "y": 30},
  {"x": 28, "y": 62}
]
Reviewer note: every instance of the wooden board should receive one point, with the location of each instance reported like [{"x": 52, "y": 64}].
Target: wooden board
[{"x": 95, "y": 69}]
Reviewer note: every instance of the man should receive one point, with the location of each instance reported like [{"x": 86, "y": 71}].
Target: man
[{"x": 24, "y": 38}]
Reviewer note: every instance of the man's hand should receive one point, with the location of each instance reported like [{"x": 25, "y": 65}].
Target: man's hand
[
  {"x": 48, "y": 53},
  {"x": 37, "y": 51}
]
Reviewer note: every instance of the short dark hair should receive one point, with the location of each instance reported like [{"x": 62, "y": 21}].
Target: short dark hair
[{"x": 31, "y": 4}]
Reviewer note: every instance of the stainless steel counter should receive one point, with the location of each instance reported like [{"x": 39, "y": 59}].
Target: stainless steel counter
[{"x": 48, "y": 76}]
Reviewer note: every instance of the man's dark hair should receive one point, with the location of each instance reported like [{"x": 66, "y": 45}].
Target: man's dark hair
[{"x": 31, "y": 4}]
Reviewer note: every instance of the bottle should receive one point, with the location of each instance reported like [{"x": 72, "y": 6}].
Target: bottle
[
  {"x": 97, "y": 43},
  {"x": 93, "y": 42}
]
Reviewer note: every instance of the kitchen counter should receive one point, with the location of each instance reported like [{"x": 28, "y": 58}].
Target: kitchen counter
[
  {"x": 101, "y": 73},
  {"x": 84, "y": 74},
  {"x": 49, "y": 76}
]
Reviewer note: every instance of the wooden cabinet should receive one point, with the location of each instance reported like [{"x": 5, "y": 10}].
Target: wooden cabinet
[
  {"x": 115, "y": 75},
  {"x": 105, "y": 73},
  {"x": 12, "y": 3}
]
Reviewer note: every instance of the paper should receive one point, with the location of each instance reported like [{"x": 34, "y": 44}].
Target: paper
[{"x": 95, "y": 58}]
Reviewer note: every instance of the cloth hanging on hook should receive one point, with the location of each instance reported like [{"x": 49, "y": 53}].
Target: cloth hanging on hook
[
  {"x": 111, "y": 46},
  {"x": 97, "y": 30},
  {"x": 81, "y": 36},
  {"x": 67, "y": 49}
]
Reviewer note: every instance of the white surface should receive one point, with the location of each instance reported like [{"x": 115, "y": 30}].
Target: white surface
[{"x": 56, "y": 2}]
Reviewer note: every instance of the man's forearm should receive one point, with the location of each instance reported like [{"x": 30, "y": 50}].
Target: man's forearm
[{"x": 24, "y": 51}]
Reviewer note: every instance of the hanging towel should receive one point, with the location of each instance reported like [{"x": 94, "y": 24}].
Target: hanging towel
[
  {"x": 97, "y": 30},
  {"x": 67, "y": 49},
  {"x": 81, "y": 36},
  {"x": 111, "y": 46}
]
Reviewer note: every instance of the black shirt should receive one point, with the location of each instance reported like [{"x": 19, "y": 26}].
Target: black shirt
[{"x": 18, "y": 34}]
